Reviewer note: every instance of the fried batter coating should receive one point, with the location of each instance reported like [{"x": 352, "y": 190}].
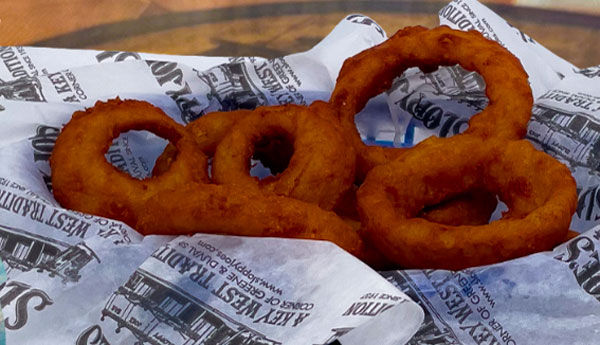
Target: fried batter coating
[
  {"x": 540, "y": 204},
  {"x": 83, "y": 180},
  {"x": 472, "y": 208},
  {"x": 320, "y": 170},
  {"x": 208, "y": 131},
  {"x": 180, "y": 199},
  {"x": 372, "y": 72},
  {"x": 220, "y": 209}
]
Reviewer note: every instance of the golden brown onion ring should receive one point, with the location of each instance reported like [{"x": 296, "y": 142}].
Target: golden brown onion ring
[
  {"x": 320, "y": 170},
  {"x": 83, "y": 180},
  {"x": 372, "y": 72},
  {"x": 540, "y": 205}
]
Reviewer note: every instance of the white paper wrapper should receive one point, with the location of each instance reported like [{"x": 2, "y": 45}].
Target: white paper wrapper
[
  {"x": 211, "y": 288},
  {"x": 22, "y": 62},
  {"x": 81, "y": 279},
  {"x": 545, "y": 298}
]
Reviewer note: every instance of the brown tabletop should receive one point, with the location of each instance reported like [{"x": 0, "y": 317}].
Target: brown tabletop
[{"x": 269, "y": 27}]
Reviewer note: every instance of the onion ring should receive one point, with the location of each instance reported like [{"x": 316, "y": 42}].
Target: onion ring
[
  {"x": 372, "y": 71},
  {"x": 83, "y": 180},
  {"x": 540, "y": 205},
  {"x": 470, "y": 208},
  {"x": 210, "y": 129},
  {"x": 320, "y": 170}
]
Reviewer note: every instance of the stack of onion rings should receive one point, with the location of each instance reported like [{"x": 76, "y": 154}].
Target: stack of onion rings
[
  {"x": 372, "y": 71},
  {"x": 450, "y": 183},
  {"x": 95, "y": 186}
]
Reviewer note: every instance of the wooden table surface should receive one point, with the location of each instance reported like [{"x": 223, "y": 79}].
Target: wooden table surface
[{"x": 269, "y": 28}]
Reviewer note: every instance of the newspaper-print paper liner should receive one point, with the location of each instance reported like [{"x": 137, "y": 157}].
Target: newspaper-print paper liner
[
  {"x": 80, "y": 279},
  {"x": 2, "y": 281},
  {"x": 204, "y": 289},
  {"x": 27, "y": 62},
  {"x": 214, "y": 289},
  {"x": 545, "y": 298}
]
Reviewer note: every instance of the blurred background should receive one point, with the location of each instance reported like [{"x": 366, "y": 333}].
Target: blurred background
[{"x": 269, "y": 28}]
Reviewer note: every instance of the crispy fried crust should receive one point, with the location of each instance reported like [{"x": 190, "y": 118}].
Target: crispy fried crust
[
  {"x": 472, "y": 208},
  {"x": 540, "y": 204},
  {"x": 83, "y": 180},
  {"x": 320, "y": 170},
  {"x": 571, "y": 235},
  {"x": 372, "y": 71},
  {"x": 208, "y": 131},
  {"x": 229, "y": 210},
  {"x": 179, "y": 200}
]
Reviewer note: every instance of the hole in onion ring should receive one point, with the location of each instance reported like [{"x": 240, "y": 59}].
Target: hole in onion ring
[
  {"x": 374, "y": 122},
  {"x": 272, "y": 154},
  {"x": 441, "y": 105},
  {"x": 135, "y": 152},
  {"x": 474, "y": 207}
]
